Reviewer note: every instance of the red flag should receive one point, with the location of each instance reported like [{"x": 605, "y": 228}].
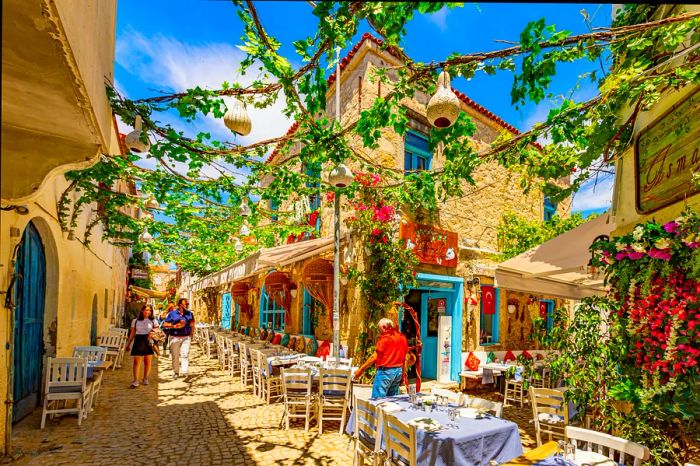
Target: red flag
[{"x": 488, "y": 299}]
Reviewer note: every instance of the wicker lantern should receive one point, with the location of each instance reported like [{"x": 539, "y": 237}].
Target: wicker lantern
[
  {"x": 133, "y": 140},
  {"x": 236, "y": 118}
]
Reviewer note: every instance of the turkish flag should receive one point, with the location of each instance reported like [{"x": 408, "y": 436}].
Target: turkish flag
[
  {"x": 488, "y": 300},
  {"x": 543, "y": 310}
]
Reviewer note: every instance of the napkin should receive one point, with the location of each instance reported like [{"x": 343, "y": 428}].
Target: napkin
[
  {"x": 425, "y": 423},
  {"x": 471, "y": 413},
  {"x": 389, "y": 407}
]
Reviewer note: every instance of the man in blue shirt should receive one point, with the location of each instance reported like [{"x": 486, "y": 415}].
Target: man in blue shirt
[{"x": 180, "y": 325}]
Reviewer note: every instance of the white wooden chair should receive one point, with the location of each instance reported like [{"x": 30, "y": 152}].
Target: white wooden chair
[
  {"x": 270, "y": 385},
  {"x": 120, "y": 331},
  {"x": 255, "y": 357},
  {"x": 514, "y": 391},
  {"x": 543, "y": 380},
  {"x": 617, "y": 448},
  {"x": 221, "y": 353},
  {"x": 550, "y": 413},
  {"x": 66, "y": 381},
  {"x": 93, "y": 355},
  {"x": 400, "y": 442},
  {"x": 246, "y": 369},
  {"x": 299, "y": 402},
  {"x": 333, "y": 396},
  {"x": 366, "y": 425},
  {"x": 453, "y": 397},
  {"x": 495, "y": 408},
  {"x": 233, "y": 365},
  {"x": 114, "y": 344}
]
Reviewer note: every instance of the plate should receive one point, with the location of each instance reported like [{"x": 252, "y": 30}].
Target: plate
[{"x": 425, "y": 423}]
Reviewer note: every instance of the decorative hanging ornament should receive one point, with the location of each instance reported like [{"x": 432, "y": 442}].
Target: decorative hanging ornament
[
  {"x": 137, "y": 140},
  {"x": 238, "y": 246},
  {"x": 444, "y": 106},
  {"x": 236, "y": 118},
  {"x": 341, "y": 176},
  {"x": 244, "y": 209},
  {"x": 152, "y": 203},
  {"x": 146, "y": 237},
  {"x": 245, "y": 230}
]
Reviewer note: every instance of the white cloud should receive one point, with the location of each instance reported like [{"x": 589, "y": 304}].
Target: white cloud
[
  {"x": 439, "y": 18},
  {"x": 168, "y": 64},
  {"x": 594, "y": 194}
]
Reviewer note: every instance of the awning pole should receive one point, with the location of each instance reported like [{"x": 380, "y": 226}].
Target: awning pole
[{"x": 336, "y": 232}]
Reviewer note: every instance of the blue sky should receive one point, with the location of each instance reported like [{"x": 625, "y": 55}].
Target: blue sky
[{"x": 169, "y": 46}]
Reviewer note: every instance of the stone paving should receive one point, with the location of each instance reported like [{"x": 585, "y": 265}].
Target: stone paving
[{"x": 211, "y": 419}]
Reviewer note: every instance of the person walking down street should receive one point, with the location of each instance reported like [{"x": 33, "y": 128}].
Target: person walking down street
[
  {"x": 141, "y": 351},
  {"x": 180, "y": 324},
  {"x": 163, "y": 316},
  {"x": 389, "y": 357}
]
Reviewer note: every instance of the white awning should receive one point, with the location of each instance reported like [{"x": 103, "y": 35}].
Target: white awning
[
  {"x": 557, "y": 267},
  {"x": 266, "y": 259}
]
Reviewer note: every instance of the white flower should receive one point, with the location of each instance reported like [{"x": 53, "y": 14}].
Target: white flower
[
  {"x": 620, "y": 246},
  {"x": 663, "y": 243},
  {"x": 637, "y": 233},
  {"x": 680, "y": 220},
  {"x": 638, "y": 247}
]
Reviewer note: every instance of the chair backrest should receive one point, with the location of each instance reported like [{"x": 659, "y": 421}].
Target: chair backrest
[
  {"x": 400, "y": 441},
  {"x": 550, "y": 402},
  {"x": 366, "y": 422},
  {"x": 599, "y": 442},
  {"x": 91, "y": 353},
  {"x": 334, "y": 383},
  {"x": 120, "y": 331},
  {"x": 243, "y": 353},
  {"x": 66, "y": 374},
  {"x": 341, "y": 361},
  {"x": 110, "y": 340},
  {"x": 479, "y": 403},
  {"x": 453, "y": 397},
  {"x": 296, "y": 381}
]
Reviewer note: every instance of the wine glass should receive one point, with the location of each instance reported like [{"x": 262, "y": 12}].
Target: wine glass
[
  {"x": 452, "y": 412},
  {"x": 562, "y": 448}
]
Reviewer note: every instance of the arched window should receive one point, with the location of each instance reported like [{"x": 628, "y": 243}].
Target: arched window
[{"x": 271, "y": 313}]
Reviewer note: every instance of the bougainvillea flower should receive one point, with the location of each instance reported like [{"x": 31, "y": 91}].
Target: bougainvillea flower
[
  {"x": 671, "y": 227},
  {"x": 634, "y": 255},
  {"x": 663, "y": 254}
]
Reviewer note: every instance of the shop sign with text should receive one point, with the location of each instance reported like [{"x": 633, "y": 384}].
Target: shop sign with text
[
  {"x": 666, "y": 155},
  {"x": 431, "y": 245}
]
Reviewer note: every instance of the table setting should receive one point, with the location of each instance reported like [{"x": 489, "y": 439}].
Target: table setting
[{"x": 448, "y": 434}]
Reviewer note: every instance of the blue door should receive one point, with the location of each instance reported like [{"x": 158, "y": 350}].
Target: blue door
[
  {"x": 432, "y": 305},
  {"x": 30, "y": 270}
]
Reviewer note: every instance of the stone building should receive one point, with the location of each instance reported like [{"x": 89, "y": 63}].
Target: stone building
[
  {"x": 58, "y": 291},
  {"x": 446, "y": 287}
]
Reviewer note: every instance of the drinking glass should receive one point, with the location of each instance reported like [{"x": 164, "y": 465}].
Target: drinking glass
[
  {"x": 453, "y": 413},
  {"x": 562, "y": 448},
  {"x": 570, "y": 451}
]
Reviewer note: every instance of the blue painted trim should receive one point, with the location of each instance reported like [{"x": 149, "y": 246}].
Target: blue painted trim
[
  {"x": 457, "y": 304},
  {"x": 426, "y": 155},
  {"x": 550, "y": 313}
]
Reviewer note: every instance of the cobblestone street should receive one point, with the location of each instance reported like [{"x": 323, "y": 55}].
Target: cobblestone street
[{"x": 209, "y": 420}]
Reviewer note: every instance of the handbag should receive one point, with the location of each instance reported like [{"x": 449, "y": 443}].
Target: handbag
[{"x": 156, "y": 336}]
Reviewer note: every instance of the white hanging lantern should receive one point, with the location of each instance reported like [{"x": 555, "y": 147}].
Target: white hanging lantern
[
  {"x": 341, "y": 176},
  {"x": 146, "y": 237},
  {"x": 238, "y": 246},
  {"x": 133, "y": 140},
  {"x": 244, "y": 209},
  {"x": 444, "y": 106},
  {"x": 236, "y": 118},
  {"x": 245, "y": 230}
]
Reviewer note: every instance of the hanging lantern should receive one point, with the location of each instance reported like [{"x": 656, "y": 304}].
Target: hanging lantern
[
  {"x": 444, "y": 106},
  {"x": 146, "y": 237},
  {"x": 244, "y": 209},
  {"x": 152, "y": 203},
  {"x": 134, "y": 141},
  {"x": 238, "y": 246},
  {"x": 341, "y": 176},
  {"x": 236, "y": 118},
  {"x": 245, "y": 230}
]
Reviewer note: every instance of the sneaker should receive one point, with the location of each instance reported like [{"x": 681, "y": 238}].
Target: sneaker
[
  {"x": 144, "y": 382},
  {"x": 134, "y": 384}
]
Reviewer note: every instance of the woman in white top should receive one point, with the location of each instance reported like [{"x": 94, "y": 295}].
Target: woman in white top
[{"x": 142, "y": 349}]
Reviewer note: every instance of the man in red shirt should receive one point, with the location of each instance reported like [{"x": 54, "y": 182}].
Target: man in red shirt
[{"x": 389, "y": 357}]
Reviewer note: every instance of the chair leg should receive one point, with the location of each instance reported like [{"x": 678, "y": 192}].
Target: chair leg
[
  {"x": 342, "y": 419},
  {"x": 320, "y": 416},
  {"x": 43, "y": 413}
]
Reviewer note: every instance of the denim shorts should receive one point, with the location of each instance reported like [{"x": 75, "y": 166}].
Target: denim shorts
[{"x": 387, "y": 382}]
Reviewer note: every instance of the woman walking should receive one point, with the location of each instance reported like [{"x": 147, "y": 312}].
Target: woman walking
[{"x": 142, "y": 349}]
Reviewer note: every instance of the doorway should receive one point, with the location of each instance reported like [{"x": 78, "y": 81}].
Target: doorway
[{"x": 29, "y": 298}]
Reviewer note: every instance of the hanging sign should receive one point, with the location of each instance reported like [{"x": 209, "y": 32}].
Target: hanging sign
[
  {"x": 226, "y": 311},
  {"x": 431, "y": 245},
  {"x": 139, "y": 273},
  {"x": 441, "y": 305},
  {"x": 666, "y": 155}
]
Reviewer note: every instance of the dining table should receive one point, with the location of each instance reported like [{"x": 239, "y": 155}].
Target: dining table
[
  {"x": 469, "y": 440},
  {"x": 548, "y": 454}
]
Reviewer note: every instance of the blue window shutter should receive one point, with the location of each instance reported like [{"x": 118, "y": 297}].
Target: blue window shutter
[{"x": 417, "y": 155}]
